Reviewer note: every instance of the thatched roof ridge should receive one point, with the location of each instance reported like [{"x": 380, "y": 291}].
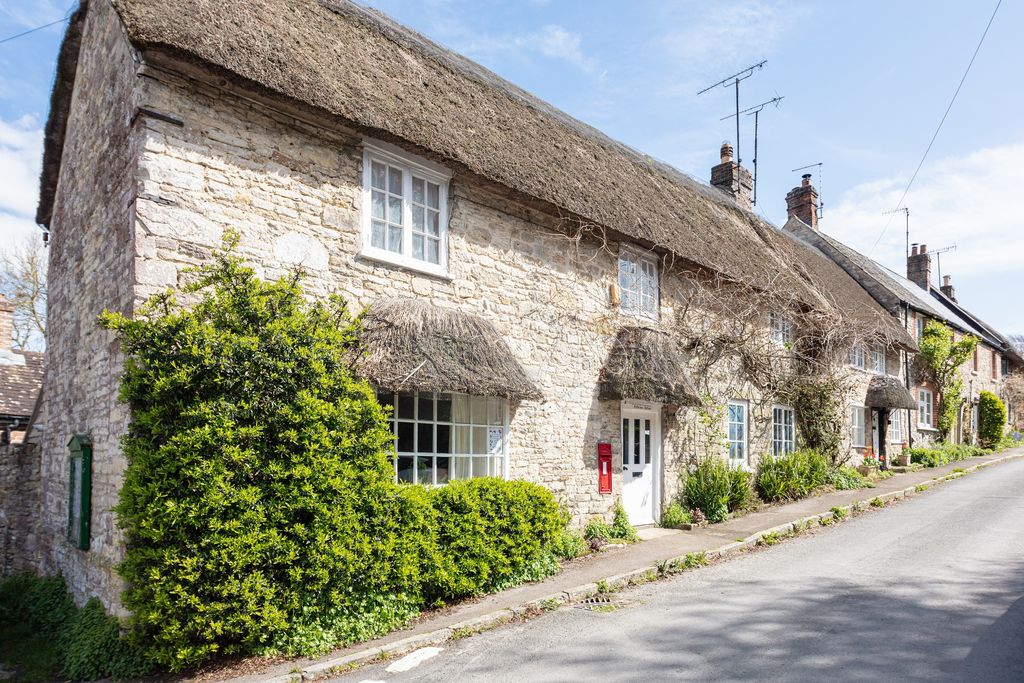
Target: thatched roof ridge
[
  {"x": 388, "y": 81},
  {"x": 410, "y": 344},
  {"x": 646, "y": 365},
  {"x": 886, "y": 391}
]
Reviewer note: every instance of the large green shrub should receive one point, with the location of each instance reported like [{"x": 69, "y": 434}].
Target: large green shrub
[
  {"x": 716, "y": 488},
  {"x": 791, "y": 476},
  {"x": 991, "y": 419},
  {"x": 943, "y": 454},
  {"x": 259, "y": 502},
  {"x": 486, "y": 531},
  {"x": 258, "y": 498}
]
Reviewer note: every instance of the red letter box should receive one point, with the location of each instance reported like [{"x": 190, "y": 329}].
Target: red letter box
[{"x": 604, "y": 467}]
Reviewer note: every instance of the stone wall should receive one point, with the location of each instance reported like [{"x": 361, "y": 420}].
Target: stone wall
[
  {"x": 19, "y": 508},
  {"x": 90, "y": 266}
]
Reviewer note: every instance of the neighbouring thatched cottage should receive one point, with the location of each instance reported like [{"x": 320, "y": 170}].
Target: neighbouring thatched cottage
[
  {"x": 914, "y": 300},
  {"x": 535, "y": 289}
]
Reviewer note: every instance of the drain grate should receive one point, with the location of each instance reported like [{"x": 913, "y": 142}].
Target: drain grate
[{"x": 600, "y": 603}]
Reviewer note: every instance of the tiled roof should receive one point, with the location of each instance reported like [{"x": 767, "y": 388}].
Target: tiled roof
[{"x": 20, "y": 383}]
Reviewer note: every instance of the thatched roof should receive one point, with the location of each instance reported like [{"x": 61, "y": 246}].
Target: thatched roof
[
  {"x": 886, "y": 391},
  {"x": 385, "y": 80},
  {"x": 410, "y": 344},
  {"x": 646, "y": 365}
]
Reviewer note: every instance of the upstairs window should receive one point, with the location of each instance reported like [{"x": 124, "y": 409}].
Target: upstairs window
[
  {"x": 920, "y": 327},
  {"x": 974, "y": 360},
  {"x": 405, "y": 219},
  {"x": 857, "y": 357},
  {"x": 878, "y": 360},
  {"x": 995, "y": 365},
  {"x": 638, "y": 284},
  {"x": 781, "y": 329}
]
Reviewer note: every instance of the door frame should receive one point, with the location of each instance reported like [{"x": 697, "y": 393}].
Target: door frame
[{"x": 646, "y": 409}]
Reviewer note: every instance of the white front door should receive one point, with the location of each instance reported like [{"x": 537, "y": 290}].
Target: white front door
[{"x": 641, "y": 457}]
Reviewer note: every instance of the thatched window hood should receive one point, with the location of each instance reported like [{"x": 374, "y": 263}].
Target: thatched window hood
[
  {"x": 886, "y": 391},
  {"x": 646, "y": 365},
  {"x": 410, "y": 345}
]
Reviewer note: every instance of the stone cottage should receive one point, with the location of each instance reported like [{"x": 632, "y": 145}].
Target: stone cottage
[
  {"x": 914, "y": 300},
  {"x": 537, "y": 293}
]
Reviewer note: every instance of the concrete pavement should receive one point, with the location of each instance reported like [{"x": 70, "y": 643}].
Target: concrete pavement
[{"x": 931, "y": 589}]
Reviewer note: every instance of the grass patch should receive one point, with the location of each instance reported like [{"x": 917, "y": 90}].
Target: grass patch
[
  {"x": 920, "y": 488},
  {"x": 877, "y": 502},
  {"x": 839, "y": 514},
  {"x": 770, "y": 539}
]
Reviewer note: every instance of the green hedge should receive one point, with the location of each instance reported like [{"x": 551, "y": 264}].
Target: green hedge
[
  {"x": 791, "y": 476},
  {"x": 482, "y": 532},
  {"x": 258, "y": 504},
  {"x": 991, "y": 419},
  {"x": 716, "y": 489},
  {"x": 52, "y": 638},
  {"x": 944, "y": 454}
]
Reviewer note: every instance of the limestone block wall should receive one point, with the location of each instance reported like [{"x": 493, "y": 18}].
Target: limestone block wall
[
  {"x": 90, "y": 268},
  {"x": 19, "y": 508}
]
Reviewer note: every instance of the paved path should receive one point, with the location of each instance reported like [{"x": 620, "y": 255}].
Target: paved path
[{"x": 931, "y": 588}]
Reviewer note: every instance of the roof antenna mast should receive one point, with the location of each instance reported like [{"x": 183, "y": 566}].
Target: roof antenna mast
[
  {"x": 821, "y": 186},
  {"x": 755, "y": 111},
  {"x": 906, "y": 218},
  {"x": 938, "y": 257},
  {"x": 734, "y": 80}
]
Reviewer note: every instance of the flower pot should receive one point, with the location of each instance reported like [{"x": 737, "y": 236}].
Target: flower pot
[
  {"x": 867, "y": 470},
  {"x": 690, "y": 526}
]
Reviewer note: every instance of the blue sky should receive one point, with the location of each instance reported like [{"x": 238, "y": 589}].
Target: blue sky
[{"x": 865, "y": 83}]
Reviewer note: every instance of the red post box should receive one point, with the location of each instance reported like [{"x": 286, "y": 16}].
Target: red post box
[{"x": 604, "y": 467}]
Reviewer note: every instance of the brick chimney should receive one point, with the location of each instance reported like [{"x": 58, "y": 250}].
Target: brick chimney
[
  {"x": 6, "y": 325},
  {"x": 947, "y": 289},
  {"x": 919, "y": 267},
  {"x": 802, "y": 202},
  {"x": 731, "y": 178}
]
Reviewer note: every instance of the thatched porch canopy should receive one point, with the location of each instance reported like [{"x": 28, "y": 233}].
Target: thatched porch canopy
[
  {"x": 411, "y": 345},
  {"x": 646, "y": 365},
  {"x": 886, "y": 391}
]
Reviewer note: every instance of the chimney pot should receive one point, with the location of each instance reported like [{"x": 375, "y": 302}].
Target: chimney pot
[
  {"x": 806, "y": 180},
  {"x": 945, "y": 280},
  {"x": 924, "y": 248},
  {"x": 726, "y": 151},
  {"x": 913, "y": 249}
]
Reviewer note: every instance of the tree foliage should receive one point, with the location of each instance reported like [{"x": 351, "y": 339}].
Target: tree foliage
[
  {"x": 939, "y": 360},
  {"x": 23, "y": 283}
]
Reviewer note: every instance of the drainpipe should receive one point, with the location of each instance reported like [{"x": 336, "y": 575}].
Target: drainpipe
[{"x": 906, "y": 376}]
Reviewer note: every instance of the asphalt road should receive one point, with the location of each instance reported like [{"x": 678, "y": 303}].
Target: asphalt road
[{"x": 931, "y": 588}]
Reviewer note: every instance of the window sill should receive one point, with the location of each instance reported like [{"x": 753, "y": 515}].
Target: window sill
[
  {"x": 387, "y": 258},
  {"x": 927, "y": 428}
]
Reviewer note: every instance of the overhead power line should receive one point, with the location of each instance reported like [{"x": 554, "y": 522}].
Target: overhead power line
[
  {"x": 33, "y": 30},
  {"x": 899, "y": 206}
]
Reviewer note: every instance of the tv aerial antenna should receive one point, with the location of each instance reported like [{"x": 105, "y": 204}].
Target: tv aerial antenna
[
  {"x": 821, "y": 185},
  {"x": 906, "y": 219},
  {"x": 938, "y": 257},
  {"x": 734, "y": 81},
  {"x": 754, "y": 111}
]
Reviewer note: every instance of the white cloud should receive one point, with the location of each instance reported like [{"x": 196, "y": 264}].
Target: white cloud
[
  {"x": 21, "y": 144},
  {"x": 727, "y": 33},
  {"x": 551, "y": 41},
  {"x": 965, "y": 200},
  {"x": 35, "y": 13}
]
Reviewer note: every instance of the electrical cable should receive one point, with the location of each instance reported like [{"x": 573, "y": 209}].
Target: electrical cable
[{"x": 929, "y": 148}]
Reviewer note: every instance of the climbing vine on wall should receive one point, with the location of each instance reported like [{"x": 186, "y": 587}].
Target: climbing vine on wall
[{"x": 939, "y": 361}]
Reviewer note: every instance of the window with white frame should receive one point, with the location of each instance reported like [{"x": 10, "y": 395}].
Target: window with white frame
[
  {"x": 858, "y": 435},
  {"x": 443, "y": 437},
  {"x": 737, "y": 432},
  {"x": 782, "y": 329},
  {"x": 405, "y": 211},
  {"x": 925, "y": 407},
  {"x": 857, "y": 357},
  {"x": 897, "y": 427},
  {"x": 638, "y": 284},
  {"x": 878, "y": 360},
  {"x": 783, "y": 433}
]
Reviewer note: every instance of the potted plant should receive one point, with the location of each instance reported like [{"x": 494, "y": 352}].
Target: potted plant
[
  {"x": 869, "y": 465},
  {"x": 903, "y": 459}
]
